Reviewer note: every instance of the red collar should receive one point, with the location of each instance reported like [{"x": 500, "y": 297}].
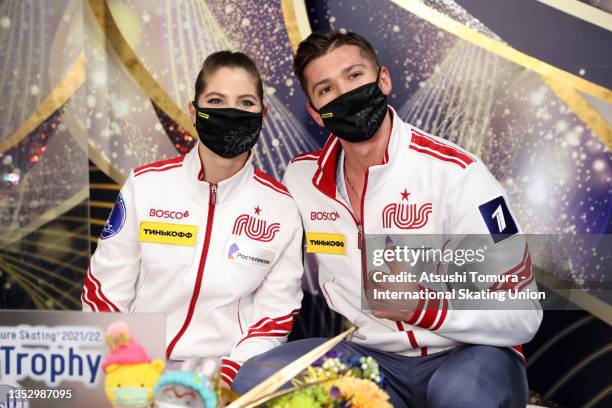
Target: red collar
[{"x": 325, "y": 176}]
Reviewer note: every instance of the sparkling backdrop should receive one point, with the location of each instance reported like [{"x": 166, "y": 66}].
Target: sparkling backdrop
[
  {"x": 556, "y": 171},
  {"x": 177, "y": 41}
]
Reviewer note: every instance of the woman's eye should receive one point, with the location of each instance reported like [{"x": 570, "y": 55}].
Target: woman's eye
[
  {"x": 247, "y": 103},
  {"x": 215, "y": 101}
]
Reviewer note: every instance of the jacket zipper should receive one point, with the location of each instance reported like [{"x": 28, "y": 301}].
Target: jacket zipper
[
  {"x": 361, "y": 236},
  {"x": 360, "y": 229},
  {"x": 212, "y": 201}
]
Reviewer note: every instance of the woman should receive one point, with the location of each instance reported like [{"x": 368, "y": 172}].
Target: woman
[{"x": 205, "y": 238}]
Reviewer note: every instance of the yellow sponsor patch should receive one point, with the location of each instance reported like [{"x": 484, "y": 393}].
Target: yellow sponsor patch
[
  {"x": 327, "y": 115},
  {"x": 325, "y": 243},
  {"x": 167, "y": 233},
  {"x": 204, "y": 115}
]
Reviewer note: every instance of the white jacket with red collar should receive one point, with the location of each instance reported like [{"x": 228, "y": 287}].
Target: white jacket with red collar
[
  {"x": 222, "y": 261},
  {"x": 426, "y": 185}
]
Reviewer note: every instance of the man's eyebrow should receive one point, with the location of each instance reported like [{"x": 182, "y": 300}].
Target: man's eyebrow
[
  {"x": 319, "y": 83},
  {"x": 350, "y": 67},
  {"x": 344, "y": 71}
]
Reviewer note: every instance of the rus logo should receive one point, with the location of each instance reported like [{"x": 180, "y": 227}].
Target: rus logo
[
  {"x": 254, "y": 228},
  {"x": 405, "y": 215}
]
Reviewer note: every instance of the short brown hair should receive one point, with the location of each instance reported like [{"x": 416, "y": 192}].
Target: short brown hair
[
  {"x": 227, "y": 59},
  {"x": 320, "y": 43}
]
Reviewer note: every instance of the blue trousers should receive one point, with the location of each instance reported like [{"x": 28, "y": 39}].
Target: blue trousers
[{"x": 464, "y": 376}]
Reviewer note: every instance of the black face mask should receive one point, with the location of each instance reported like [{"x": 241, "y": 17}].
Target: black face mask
[
  {"x": 356, "y": 115},
  {"x": 228, "y": 132}
]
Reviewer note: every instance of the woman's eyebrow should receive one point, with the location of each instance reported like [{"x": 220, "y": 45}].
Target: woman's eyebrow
[
  {"x": 214, "y": 94},
  {"x": 247, "y": 96}
]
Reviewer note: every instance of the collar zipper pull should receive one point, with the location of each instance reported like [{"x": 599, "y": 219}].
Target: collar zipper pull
[
  {"x": 359, "y": 236},
  {"x": 213, "y": 194}
]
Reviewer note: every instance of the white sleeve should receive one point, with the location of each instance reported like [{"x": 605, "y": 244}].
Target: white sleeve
[
  {"x": 477, "y": 209},
  {"x": 110, "y": 281},
  {"x": 276, "y": 303},
  {"x": 310, "y": 281}
]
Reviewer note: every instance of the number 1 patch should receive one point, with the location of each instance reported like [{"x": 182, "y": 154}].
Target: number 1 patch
[{"x": 498, "y": 219}]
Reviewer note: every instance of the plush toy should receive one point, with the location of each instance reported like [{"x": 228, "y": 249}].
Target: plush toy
[
  {"x": 191, "y": 386},
  {"x": 130, "y": 373}
]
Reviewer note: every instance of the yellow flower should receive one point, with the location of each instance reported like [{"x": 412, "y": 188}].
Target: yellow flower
[{"x": 362, "y": 393}]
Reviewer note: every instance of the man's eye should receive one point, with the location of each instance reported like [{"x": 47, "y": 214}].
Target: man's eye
[
  {"x": 324, "y": 90},
  {"x": 355, "y": 75},
  {"x": 215, "y": 101}
]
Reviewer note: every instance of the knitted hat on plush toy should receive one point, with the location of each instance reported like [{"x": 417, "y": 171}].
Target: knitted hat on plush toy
[
  {"x": 123, "y": 349},
  {"x": 130, "y": 373}
]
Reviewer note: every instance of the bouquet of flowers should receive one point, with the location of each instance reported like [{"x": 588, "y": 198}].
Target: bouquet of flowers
[{"x": 337, "y": 381}]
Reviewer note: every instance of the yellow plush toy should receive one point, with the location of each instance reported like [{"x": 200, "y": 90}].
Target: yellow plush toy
[{"x": 130, "y": 373}]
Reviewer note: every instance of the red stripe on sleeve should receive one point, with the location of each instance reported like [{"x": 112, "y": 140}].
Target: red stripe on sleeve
[
  {"x": 430, "y": 314},
  {"x": 100, "y": 304},
  {"x": 266, "y": 327},
  {"x": 419, "y": 309},
  {"x": 438, "y": 156},
  {"x": 442, "y": 317},
  {"x": 110, "y": 306},
  {"x": 448, "y": 150},
  {"x": 160, "y": 163},
  {"x": 85, "y": 300},
  {"x": 412, "y": 339}
]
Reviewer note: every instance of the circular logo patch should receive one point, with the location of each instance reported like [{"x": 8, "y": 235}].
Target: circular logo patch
[{"x": 116, "y": 220}]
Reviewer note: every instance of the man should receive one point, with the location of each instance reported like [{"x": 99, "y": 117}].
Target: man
[{"x": 372, "y": 165}]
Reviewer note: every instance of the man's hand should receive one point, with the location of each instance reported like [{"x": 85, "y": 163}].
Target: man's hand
[
  {"x": 225, "y": 393},
  {"x": 398, "y": 309}
]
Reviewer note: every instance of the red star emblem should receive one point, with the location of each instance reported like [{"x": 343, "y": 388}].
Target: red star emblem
[
  {"x": 405, "y": 195},
  {"x": 257, "y": 210}
]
